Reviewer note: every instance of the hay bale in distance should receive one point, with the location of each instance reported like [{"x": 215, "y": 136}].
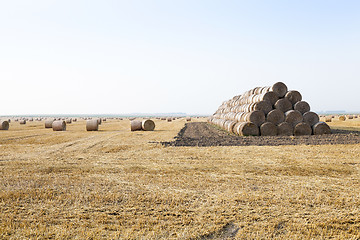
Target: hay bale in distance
[
  {"x": 22, "y": 121},
  {"x": 342, "y": 118},
  {"x": 4, "y": 125},
  {"x": 148, "y": 125},
  {"x": 92, "y": 125},
  {"x": 328, "y": 118},
  {"x": 135, "y": 125},
  {"x": 59, "y": 125},
  {"x": 48, "y": 123}
]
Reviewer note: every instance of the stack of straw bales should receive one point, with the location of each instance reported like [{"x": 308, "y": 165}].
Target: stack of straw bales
[{"x": 268, "y": 111}]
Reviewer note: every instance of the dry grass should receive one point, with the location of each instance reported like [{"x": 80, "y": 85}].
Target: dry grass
[{"x": 117, "y": 184}]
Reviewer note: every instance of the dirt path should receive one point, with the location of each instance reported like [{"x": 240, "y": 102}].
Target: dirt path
[{"x": 203, "y": 135}]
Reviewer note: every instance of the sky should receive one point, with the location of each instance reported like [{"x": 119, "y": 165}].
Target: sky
[{"x": 159, "y": 56}]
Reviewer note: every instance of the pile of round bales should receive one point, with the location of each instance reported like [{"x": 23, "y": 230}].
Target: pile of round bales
[
  {"x": 145, "y": 125},
  {"x": 269, "y": 111}
]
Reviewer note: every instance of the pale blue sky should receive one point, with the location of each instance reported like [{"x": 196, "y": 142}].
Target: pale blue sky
[{"x": 98, "y": 57}]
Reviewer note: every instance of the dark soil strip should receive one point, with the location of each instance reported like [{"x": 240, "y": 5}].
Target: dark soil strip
[{"x": 204, "y": 135}]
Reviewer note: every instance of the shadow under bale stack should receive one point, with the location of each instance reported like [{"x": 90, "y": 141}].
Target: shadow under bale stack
[{"x": 272, "y": 110}]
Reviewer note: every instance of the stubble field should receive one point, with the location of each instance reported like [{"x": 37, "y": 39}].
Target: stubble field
[{"x": 117, "y": 184}]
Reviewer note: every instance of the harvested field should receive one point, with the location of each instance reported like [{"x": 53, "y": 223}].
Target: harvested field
[{"x": 118, "y": 184}]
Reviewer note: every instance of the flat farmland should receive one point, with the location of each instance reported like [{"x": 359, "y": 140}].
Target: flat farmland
[{"x": 118, "y": 184}]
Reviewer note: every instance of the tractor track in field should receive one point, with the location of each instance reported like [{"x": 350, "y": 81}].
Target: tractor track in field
[
  {"x": 202, "y": 134},
  {"x": 21, "y": 137},
  {"x": 85, "y": 143}
]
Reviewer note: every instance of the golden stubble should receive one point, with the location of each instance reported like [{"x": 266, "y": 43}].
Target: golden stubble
[{"x": 118, "y": 184}]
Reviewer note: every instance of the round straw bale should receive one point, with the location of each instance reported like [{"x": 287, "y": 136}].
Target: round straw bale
[
  {"x": 321, "y": 128},
  {"x": 23, "y": 121},
  {"x": 4, "y": 125},
  {"x": 283, "y": 105},
  {"x": 256, "y": 117},
  {"x": 268, "y": 129},
  {"x": 265, "y": 89},
  {"x": 342, "y": 118},
  {"x": 293, "y": 117},
  {"x": 302, "y": 129},
  {"x": 188, "y": 119},
  {"x": 48, "y": 123},
  {"x": 293, "y": 96},
  {"x": 69, "y": 120},
  {"x": 311, "y": 118},
  {"x": 104, "y": 119},
  {"x": 350, "y": 117},
  {"x": 264, "y": 106},
  {"x": 135, "y": 125},
  {"x": 59, "y": 125},
  {"x": 163, "y": 118},
  {"x": 148, "y": 125},
  {"x": 285, "y": 129},
  {"x": 328, "y": 118},
  {"x": 246, "y": 129},
  {"x": 229, "y": 126},
  {"x": 75, "y": 120},
  {"x": 275, "y": 116},
  {"x": 270, "y": 97},
  {"x": 279, "y": 88},
  {"x": 257, "y": 90},
  {"x": 92, "y": 125},
  {"x": 169, "y": 119},
  {"x": 302, "y": 107}
]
